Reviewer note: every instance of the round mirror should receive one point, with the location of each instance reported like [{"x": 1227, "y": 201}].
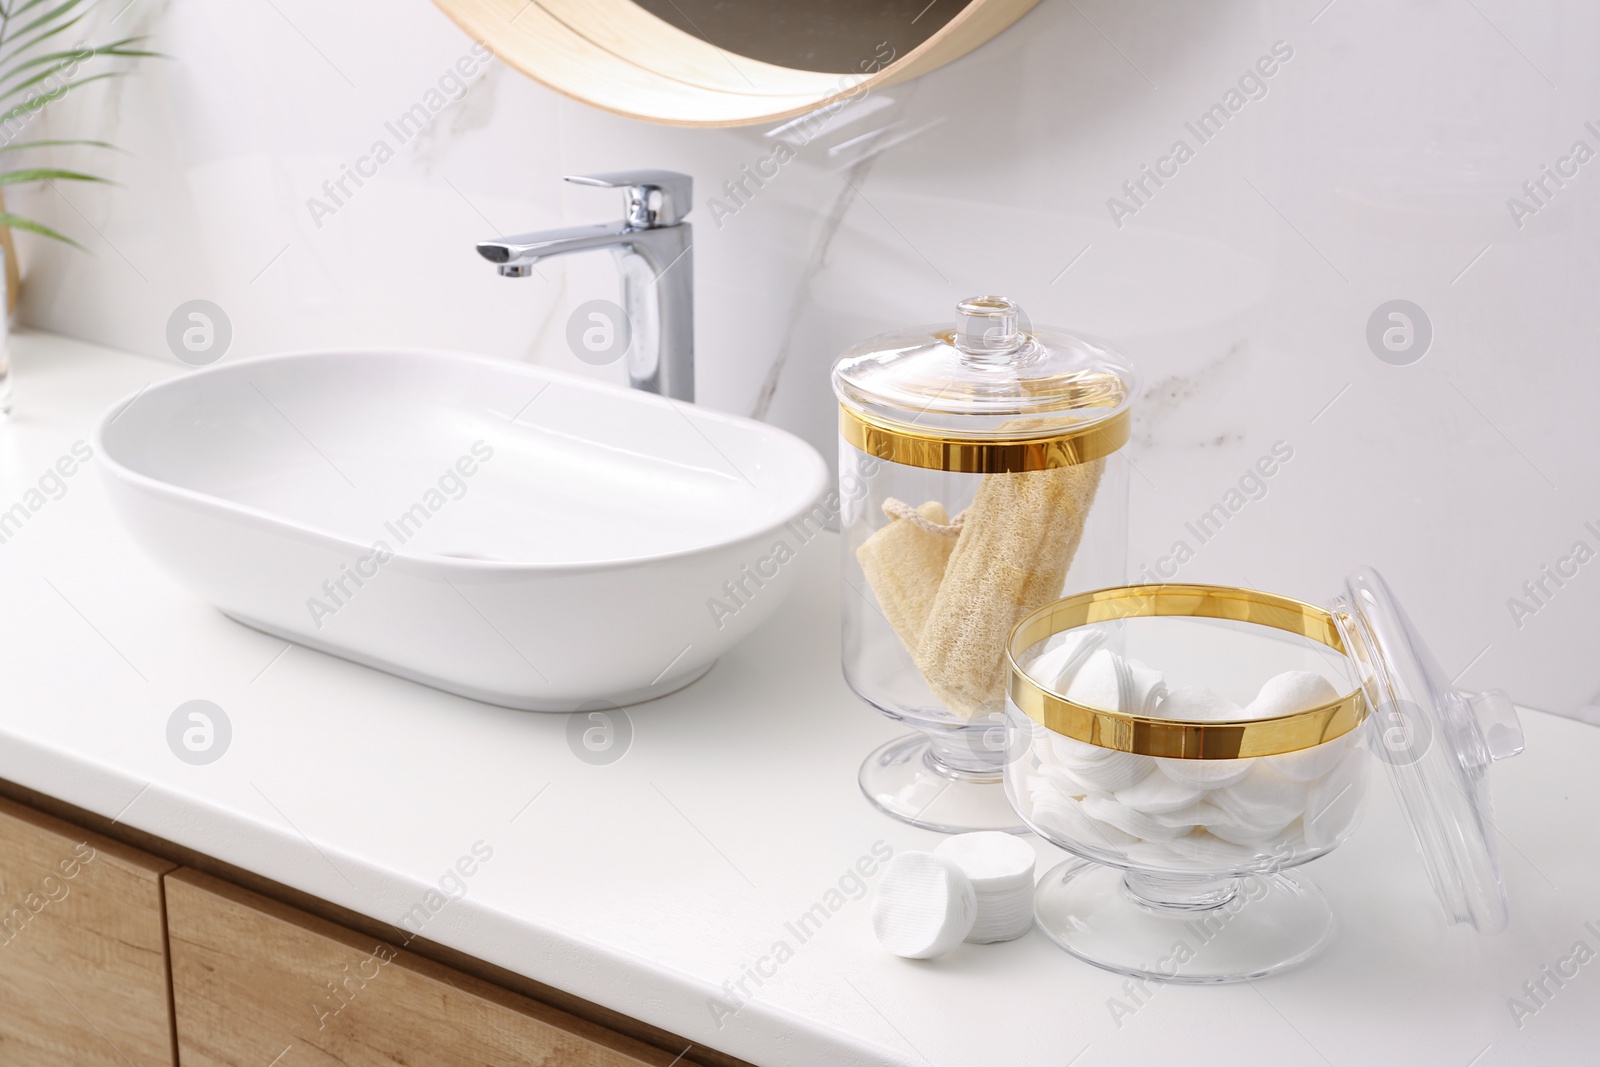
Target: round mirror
[{"x": 720, "y": 63}]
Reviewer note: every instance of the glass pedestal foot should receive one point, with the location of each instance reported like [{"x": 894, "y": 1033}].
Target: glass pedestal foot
[
  {"x": 1176, "y": 930},
  {"x": 908, "y": 780}
]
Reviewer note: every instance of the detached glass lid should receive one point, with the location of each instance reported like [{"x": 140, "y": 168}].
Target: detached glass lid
[
  {"x": 1437, "y": 742},
  {"x": 991, "y": 376}
]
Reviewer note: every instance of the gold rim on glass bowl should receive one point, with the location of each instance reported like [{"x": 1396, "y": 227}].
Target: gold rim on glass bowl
[
  {"x": 913, "y": 447},
  {"x": 1176, "y": 738}
]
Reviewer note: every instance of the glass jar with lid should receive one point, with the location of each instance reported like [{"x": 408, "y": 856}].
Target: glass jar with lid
[
  {"x": 979, "y": 479},
  {"x": 1190, "y": 744}
]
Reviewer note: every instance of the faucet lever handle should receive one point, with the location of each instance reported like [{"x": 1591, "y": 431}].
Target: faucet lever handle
[{"x": 654, "y": 197}]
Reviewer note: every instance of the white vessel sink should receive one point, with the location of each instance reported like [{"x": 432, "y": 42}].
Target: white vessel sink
[{"x": 493, "y": 529}]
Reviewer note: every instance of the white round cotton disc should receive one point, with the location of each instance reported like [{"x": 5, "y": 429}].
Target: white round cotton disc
[
  {"x": 1000, "y": 868},
  {"x": 1291, "y": 691},
  {"x": 1070, "y": 752},
  {"x": 1285, "y": 694},
  {"x": 1197, "y": 703},
  {"x": 1117, "y": 771},
  {"x": 1334, "y": 801},
  {"x": 1193, "y": 815},
  {"x": 1056, "y": 666},
  {"x": 1098, "y": 683},
  {"x": 1204, "y": 773},
  {"x": 1107, "y": 810},
  {"x": 992, "y": 861},
  {"x": 1064, "y": 820},
  {"x": 1263, "y": 798},
  {"x": 1064, "y": 782},
  {"x": 923, "y": 907},
  {"x": 1209, "y": 849},
  {"x": 1309, "y": 764},
  {"x": 1158, "y": 794},
  {"x": 1148, "y": 687},
  {"x": 1241, "y": 832}
]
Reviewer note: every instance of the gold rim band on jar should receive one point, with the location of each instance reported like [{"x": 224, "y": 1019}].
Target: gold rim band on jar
[
  {"x": 1176, "y": 738},
  {"x": 899, "y": 443}
]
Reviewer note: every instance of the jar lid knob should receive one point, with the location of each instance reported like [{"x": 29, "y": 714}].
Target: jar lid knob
[{"x": 988, "y": 327}]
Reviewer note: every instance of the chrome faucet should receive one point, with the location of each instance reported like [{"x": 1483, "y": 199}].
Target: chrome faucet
[{"x": 653, "y": 248}]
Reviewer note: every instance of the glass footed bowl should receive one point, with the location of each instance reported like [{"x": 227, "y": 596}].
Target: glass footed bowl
[{"x": 1182, "y": 837}]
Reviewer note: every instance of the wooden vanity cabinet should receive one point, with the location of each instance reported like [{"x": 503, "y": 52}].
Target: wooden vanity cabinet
[
  {"x": 83, "y": 948},
  {"x": 256, "y": 982},
  {"x": 113, "y": 957}
]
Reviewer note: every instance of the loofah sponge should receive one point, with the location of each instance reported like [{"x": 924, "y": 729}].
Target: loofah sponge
[
  {"x": 904, "y": 563},
  {"x": 1016, "y": 544}
]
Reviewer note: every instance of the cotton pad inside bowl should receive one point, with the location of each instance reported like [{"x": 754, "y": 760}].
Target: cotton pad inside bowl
[{"x": 1196, "y": 703}]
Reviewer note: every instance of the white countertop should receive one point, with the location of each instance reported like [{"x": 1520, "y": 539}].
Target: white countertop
[{"x": 646, "y": 884}]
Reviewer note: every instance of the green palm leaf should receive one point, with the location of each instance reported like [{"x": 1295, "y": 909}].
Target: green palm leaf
[
  {"x": 7, "y": 59},
  {"x": 59, "y": 11},
  {"x": 59, "y": 61},
  {"x": 23, "y": 145},
  {"x": 41, "y": 174},
  {"x": 41, "y": 69},
  {"x": 56, "y": 94},
  {"x": 17, "y": 222}
]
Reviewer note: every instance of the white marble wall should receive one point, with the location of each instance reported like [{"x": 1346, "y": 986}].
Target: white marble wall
[{"x": 1376, "y": 165}]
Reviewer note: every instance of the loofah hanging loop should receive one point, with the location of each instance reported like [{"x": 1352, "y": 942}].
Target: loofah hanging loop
[{"x": 899, "y": 509}]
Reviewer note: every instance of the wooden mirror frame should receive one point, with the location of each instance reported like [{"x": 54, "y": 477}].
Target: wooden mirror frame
[{"x": 615, "y": 55}]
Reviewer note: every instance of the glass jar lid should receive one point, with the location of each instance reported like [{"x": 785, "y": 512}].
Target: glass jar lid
[
  {"x": 1437, "y": 742},
  {"x": 989, "y": 393}
]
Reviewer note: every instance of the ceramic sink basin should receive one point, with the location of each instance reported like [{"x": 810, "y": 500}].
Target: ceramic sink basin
[{"x": 493, "y": 529}]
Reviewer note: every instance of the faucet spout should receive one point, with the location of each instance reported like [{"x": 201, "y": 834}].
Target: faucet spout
[
  {"x": 653, "y": 250},
  {"x": 531, "y": 247}
]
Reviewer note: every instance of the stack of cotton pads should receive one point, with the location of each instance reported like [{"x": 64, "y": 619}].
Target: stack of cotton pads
[
  {"x": 973, "y": 887},
  {"x": 1000, "y": 868}
]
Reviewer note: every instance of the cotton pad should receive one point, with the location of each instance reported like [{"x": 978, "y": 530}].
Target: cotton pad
[
  {"x": 1292, "y": 691},
  {"x": 1285, "y": 694},
  {"x": 1262, "y": 798},
  {"x": 1196, "y": 703},
  {"x": 1000, "y": 868},
  {"x": 1147, "y": 689},
  {"x": 1249, "y": 832},
  {"x": 1096, "y": 684},
  {"x": 992, "y": 861},
  {"x": 1190, "y": 815},
  {"x": 924, "y": 906},
  {"x": 1128, "y": 820},
  {"x": 1118, "y": 771},
  {"x": 1158, "y": 794},
  {"x": 1212, "y": 850},
  {"x": 1105, "y": 681},
  {"x": 1065, "y": 818},
  {"x": 1104, "y": 770},
  {"x": 1064, "y": 782},
  {"x": 1334, "y": 801},
  {"x": 1069, "y": 752},
  {"x": 1204, "y": 773},
  {"x": 1061, "y": 663},
  {"x": 1308, "y": 764}
]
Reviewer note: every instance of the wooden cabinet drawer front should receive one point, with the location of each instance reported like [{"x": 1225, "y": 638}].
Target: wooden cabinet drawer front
[
  {"x": 256, "y": 982},
  {"x": 83, "y": 959}
]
